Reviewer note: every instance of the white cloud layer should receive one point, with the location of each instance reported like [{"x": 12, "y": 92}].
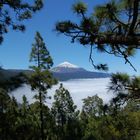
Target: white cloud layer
[{"x": 79, "y": 89}]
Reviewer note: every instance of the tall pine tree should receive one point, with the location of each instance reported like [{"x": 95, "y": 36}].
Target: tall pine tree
[{"x": 41, "y": 78}]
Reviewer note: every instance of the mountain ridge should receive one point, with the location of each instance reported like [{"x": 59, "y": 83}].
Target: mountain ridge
[
  {"x": 61, "y": 72},
  {"x": 66, "y": 72}
]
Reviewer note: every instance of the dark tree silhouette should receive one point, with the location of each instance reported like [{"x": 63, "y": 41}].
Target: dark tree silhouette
[
  {"x": 13, "y": 12},
  {"x": 113, "y": 28},
  {"x": 41, "y": 79}
]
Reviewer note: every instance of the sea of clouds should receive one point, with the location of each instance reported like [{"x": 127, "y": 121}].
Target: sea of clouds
[{"x": 78, "y": 88}]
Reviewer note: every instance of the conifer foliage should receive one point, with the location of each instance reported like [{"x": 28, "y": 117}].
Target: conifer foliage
[
  {"x": 41, "y": 79},
  {"x": 13, "y": 12},
  {"x": 112, "y": 28}
]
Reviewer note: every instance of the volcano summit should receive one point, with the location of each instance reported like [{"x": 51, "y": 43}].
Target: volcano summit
[{"x": 65, "y": 71}]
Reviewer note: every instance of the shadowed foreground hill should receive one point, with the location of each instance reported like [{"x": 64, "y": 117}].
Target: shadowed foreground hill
[
  {"x": 5, "y": 74},
  {"x": 12, "y": 79}
]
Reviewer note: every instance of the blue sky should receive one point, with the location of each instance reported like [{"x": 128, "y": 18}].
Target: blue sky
[{"x": 15, "y": 50}]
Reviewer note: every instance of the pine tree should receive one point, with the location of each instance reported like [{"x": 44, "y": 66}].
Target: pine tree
[
  {"x": 20, "y": 9},
  {"x": 112, "y": 28},
  {"x": 93, "y": 106},
  {"x": 125, "y": 87},
  {"x": 41, "y": 78},
  {"x": 65, "y": 114}
]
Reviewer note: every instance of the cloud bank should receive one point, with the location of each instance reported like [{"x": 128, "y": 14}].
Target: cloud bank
[{"x": 78, "y": 88}]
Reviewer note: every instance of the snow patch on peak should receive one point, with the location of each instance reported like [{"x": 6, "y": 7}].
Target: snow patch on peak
[{"x": 67, "y": 65}]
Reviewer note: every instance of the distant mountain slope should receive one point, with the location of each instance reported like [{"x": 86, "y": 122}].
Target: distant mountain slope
[
  {"x": 8, "y": 73},
  {"x": 79, "y": 75},
  {"x": 12, "y": 79},
  {"x": 66, "y": 71},
  {"x": 62, "y": 72}
]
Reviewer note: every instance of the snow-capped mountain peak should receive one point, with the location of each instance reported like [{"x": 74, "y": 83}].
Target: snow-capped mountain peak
[
  {"x": 67, "y": 65},
  {"x": 66, "y": 71}
]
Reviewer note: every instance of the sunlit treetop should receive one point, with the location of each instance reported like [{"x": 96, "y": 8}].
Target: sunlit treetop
[{"x": 112, "y": 28}]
